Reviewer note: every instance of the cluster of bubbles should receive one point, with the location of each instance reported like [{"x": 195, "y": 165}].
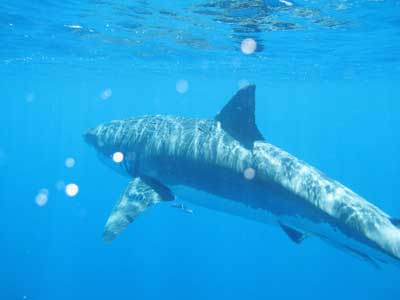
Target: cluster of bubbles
[{"x": 70, "y": 189}]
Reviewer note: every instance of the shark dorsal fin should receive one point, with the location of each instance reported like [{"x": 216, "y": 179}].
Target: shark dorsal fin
[{"x": 238, "y": 119}]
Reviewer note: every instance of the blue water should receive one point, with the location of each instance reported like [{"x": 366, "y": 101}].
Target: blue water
[{"x": 327, "y": 76}]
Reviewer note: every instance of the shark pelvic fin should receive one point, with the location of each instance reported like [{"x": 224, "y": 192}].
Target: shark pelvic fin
[
  {"x": 293, "y": 234},
  {"x": 238, "y": 117},
  {"x": 140, "y": 193}
]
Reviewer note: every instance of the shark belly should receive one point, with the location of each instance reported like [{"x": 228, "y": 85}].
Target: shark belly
[
  {"x": 221, "y": 204},
  {"x": 324, "y": 228},
  {"x": 226, "y": 190}
]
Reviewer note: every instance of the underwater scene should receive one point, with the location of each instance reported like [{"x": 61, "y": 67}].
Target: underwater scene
[{"x": 203, "y": 149}]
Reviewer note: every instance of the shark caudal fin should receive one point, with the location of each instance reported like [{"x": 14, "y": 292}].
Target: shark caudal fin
[
  {"x": 141, "y": 193},
  {"x": 238, "y": 117}
]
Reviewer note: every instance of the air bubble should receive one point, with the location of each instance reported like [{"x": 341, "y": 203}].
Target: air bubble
[
  {"x": 182, "y": 86},
  {"x": 71, "y": 189},
  {"x": 42, "y": 197},
  {"x": 118, "y": 157},
  {"x": 249, "y": 173},
  {"x": 248, "y": 46},
  {"x": 70, "y": 162},
  {"x": 106, "y": 94}
]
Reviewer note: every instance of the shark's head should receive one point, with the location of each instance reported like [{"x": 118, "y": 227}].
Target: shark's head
[
  {"x": 96, "y": 137},
  {"x": 111, "y": 137},
  {"x": 109, "y": 140},
  {"x": 90, "y": 137}
]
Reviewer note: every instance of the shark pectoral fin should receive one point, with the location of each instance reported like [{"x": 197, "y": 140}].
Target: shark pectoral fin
[
  {"x": 238, "y": 117},
  {"x": 293, "y": 234},
  {"x": 140, "y": 193}
]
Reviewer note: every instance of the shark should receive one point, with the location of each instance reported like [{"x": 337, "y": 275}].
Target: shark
[{"x": 224, "y": 163}]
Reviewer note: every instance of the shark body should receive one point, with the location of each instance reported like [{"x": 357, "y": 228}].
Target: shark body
[{"x": 233, "y": 169}]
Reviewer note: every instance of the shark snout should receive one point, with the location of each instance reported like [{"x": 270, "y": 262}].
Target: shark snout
[{"x": 90, "y": 137}]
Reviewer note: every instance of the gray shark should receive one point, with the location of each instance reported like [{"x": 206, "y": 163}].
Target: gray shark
[{"x": 224, "y": 163}]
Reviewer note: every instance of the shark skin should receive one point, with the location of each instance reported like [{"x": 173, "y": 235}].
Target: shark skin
[{"x": 174, "y": 156}]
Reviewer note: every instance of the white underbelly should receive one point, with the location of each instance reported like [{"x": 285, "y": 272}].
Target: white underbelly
[
  {"x": 232, "y": 207},
  {"x": 322, "y": 230}
]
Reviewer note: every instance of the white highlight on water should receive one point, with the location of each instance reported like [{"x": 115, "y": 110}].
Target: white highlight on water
[
  {"x": 73, "y": 26},
  {"x": 287, "y": 3},
  {"x": 248, "y": 46},
  {"x": 42, "y": 197},
  {"x": 118, "y": 157},
  {"x": 182, "y": 86},
  {"x": 71, "y": 189},
  {"x": 249, "y": 173},
  {"x": 106, "y": 94},
  {"x": 70, "y": 162}
]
